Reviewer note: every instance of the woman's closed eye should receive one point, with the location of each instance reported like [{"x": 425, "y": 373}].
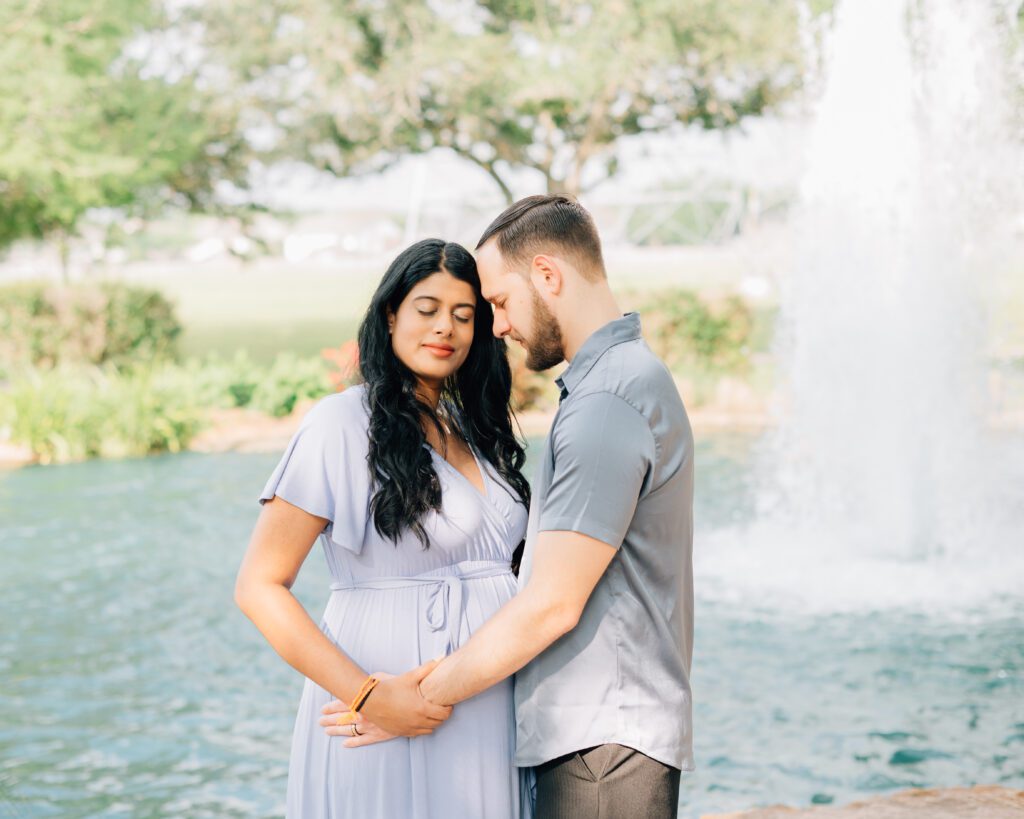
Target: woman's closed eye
[{"x": 462, "y": 319}]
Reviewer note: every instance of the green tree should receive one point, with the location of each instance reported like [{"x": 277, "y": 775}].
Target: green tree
[
  {"x": 507, "y": 84},
  {"x": 87, "y": 120}
]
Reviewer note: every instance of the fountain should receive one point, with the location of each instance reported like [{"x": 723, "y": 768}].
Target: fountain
[{"x": 883, "y": 484}]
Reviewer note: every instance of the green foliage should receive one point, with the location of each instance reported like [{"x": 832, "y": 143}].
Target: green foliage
[
  {"x": 85, "y": 124},
  {"x": 290, "y": 380},
  {"x": 506, "y": 84},
  {"x": 46, "y": 325},
  {"x": 223, "y": 383},
  {"x": 701, "y": 340},
  {"x": 140, "y": 325},
  {"x": 687, "y": 332},
  {"x": 530, "y": 390},
  {"x": 274, "y": 390},
  {"x": 69, "y": 414},
  {"x": 74, "y": 412}
]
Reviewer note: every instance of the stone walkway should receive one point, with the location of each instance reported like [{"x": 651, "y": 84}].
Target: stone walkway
[{"x": 979, "y": 802}]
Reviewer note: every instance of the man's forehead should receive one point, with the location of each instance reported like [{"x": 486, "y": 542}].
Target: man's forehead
[
  {"x": 489, "y": 290},
  {"x": 491, "y": 267},
  {"x": 489, "y": 254}
]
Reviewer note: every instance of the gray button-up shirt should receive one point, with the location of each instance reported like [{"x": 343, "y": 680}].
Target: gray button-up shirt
[{"x": 617, "y": 466}]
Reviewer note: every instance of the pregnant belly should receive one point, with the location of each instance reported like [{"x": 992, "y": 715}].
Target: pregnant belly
[{"x": 396, "y": 629}]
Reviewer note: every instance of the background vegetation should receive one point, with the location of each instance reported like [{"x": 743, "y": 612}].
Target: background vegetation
[
  {"x": 86, "y": 377},
  {"x": 506, "y": 84},
  {"x": 97, "y": 111},
  {"x": 135, "y": 105}
]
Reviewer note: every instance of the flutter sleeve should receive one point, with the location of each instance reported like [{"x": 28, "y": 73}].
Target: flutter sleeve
[{"x": 324, "y": 471}]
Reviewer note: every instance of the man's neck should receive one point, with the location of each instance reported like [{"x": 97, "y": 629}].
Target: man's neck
[{"x": 591, "y": 316}]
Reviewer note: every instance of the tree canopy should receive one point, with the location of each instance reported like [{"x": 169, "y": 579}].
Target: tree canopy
[
  {"x": 549, "y": 85},
  {"x": 134, "y": 103},
  {"x": 87, "y": 120}
]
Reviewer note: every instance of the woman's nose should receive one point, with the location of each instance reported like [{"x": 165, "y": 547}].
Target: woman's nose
[{"x": 443, "y": 325}]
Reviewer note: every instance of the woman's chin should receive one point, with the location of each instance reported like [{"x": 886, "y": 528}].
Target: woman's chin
[{"x": 436, "y": 370}]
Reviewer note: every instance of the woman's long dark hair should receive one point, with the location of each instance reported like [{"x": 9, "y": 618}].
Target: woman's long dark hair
[{"x": 474, "y": 401}]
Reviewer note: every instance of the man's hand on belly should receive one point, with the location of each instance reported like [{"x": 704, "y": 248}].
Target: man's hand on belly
[{"x": 395, "y": 707}]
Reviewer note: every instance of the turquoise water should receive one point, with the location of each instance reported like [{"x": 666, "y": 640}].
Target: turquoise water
[{"x": 130, "y": 685}]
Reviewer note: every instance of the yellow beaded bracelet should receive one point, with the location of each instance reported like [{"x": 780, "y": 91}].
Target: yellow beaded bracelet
[
  {"x": 363, "y": 693},
  {"x": 357, "y": 701}
]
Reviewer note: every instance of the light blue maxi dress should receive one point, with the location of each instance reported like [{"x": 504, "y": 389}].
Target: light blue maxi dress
[{"x": 392, "y": 608}]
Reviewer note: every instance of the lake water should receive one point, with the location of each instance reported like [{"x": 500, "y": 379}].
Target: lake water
[{"x": 130, "y": 685}]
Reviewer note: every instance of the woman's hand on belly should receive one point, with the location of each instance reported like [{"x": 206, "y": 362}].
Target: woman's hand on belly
[{"x": 338, "y": 723}]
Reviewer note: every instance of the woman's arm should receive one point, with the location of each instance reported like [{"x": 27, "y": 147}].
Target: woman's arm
[{"x": 280, "y": 543}]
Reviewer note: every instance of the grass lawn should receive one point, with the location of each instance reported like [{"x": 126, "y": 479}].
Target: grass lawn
[{"x": 265, "y": 311}]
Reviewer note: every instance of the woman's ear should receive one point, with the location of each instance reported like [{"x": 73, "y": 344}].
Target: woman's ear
[{"x": 391, "y": 321}]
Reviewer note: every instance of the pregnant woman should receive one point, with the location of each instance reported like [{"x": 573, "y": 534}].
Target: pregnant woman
[{"x": 412, "y": 483}]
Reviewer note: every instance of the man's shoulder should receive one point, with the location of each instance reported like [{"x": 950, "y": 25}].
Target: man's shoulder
[{"x": 632, "y": 372}]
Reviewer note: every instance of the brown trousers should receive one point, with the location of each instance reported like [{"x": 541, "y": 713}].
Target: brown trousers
[{"x": 607, "y": 782}]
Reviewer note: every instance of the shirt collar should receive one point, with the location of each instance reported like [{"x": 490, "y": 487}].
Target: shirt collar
[{"x": 617, "y": 331}]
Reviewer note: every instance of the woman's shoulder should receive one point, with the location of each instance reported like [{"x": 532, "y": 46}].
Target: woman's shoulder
[{"x": 341, "y": 411}]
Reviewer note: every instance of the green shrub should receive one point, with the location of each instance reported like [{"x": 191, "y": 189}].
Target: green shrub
[
  {"x": 43, "y": 325},
  {"x": 70, "y": 414},
  {"x": 686, "y": 331},
  {"x": 220, "y": 383},
  {"x": 239, "y": 382},
  {"x": 289, "y": 380},
  {"x": 141, "y": 325}
]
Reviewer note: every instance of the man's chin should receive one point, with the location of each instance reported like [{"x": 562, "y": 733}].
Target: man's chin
[{"x": 539, "y": 364}]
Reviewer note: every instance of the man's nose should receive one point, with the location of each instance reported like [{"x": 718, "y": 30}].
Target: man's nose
[{"x": 501, "y": 325}]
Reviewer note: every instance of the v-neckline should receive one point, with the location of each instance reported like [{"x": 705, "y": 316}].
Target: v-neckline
[{"x": 483, "y": 493}]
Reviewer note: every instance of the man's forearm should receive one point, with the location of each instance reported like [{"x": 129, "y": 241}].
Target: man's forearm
[{"x": 521, "y": 630}]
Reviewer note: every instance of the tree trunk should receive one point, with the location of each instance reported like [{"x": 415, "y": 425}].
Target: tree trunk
[
  {"x": 569, "y": 186},
  {"x": 64, "y": 252},
  {"x": 492, "y": 172}
]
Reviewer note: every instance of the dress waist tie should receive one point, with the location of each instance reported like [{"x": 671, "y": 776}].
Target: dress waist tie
[{"x": 445, "y": 595}]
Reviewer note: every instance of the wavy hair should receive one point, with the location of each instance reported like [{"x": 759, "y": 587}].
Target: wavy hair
[{"x": 474, "y": 400}]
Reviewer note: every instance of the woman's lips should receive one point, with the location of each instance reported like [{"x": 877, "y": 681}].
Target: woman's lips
[{"x": 440, "y": 350}]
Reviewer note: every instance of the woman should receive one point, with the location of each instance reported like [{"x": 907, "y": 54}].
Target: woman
[{"x": 412, "y": 482}]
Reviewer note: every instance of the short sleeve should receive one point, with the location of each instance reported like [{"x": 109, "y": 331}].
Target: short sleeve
[
  {"x": 603, "y": 451},
  {"x": 324, "y": 470}
]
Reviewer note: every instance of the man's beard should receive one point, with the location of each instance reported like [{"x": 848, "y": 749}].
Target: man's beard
[{"x": 545, "y": 349}]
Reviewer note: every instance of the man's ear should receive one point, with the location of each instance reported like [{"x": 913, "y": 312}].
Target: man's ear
[{"x": 546, "y": 274}]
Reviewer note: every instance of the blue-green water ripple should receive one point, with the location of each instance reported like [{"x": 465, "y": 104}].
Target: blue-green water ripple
[{"x": 130, "y": 685}]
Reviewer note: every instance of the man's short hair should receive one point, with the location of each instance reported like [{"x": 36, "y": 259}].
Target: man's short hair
[{"x": 546, "y": 224}]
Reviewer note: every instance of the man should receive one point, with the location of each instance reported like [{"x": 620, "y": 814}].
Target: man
[{"x": 601, "y": 630}]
